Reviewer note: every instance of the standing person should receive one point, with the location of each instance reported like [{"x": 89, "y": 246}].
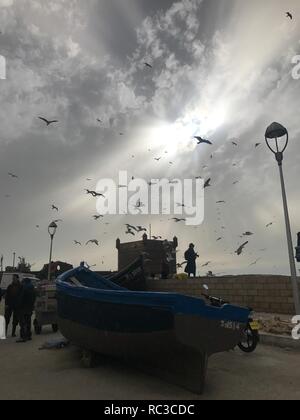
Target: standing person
[
  {"x": 191, "y": 257},
  {"x": 27, "y": 303},
  {"x": 12, "y": 304}
]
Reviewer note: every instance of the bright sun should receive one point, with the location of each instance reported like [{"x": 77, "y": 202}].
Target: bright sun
[{"x": 177, "y": 137}]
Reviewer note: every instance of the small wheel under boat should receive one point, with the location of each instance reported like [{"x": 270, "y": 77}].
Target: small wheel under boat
[{"x": 88, "y": 359}]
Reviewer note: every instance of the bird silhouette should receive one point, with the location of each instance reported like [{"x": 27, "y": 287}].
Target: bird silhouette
[
  {"x": 77, "y": 243},
  {"x": 240, "y": 250},
  {"x": 94, "y": 193},
  {"x": 157, "y": 159},
  {"x": 99, "y": 121},
  {"x": 130, "y": 227},
  {"x": 129, "y": 232},
  {"x": 48, "y": 122},
  {"x": 141, "y": 229},
  {"x": 206, "y": 264},
  {"x": 202, "y": 141},
  {"x": 207, "y": 183},
  {"x": 289, "y": 15},
  {"x": 139, "y": 204},
  {"x": 55, "y": 208},
  {"x": 148, "y": 65},
  {"x": 156, "y": 238},
  {"x": 221, "y": 202},
  {"x": 255, "y": 262},
  {"x": 13, "y": 175},
  {"x": 176, "y": 220},
  {"x": 234, "y": 143},
  {"x": 97, "y": 217},
  {"x": 257, "y": 145},
  {"x": 93, "y": 241},
  {"x": 248, "y": 234},
  {"x": 269, "y": 224}
]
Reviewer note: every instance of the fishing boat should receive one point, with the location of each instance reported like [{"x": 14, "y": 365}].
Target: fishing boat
[{"x": 170, "y": 335}]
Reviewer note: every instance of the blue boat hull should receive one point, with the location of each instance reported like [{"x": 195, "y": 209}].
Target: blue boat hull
[{"x": 167, "y": 334}]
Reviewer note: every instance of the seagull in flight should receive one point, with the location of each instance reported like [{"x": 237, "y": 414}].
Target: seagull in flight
[
  {"x": 207, "y": 183},
  {"x": 241, "y": 248},
  {"x": 77, "y": 243},
  {"x": 54, "y": 207},
  {"x": 130, "y": 227},
  {"x": 13, "y": 175},
  {"x": 234, "y": 143},
  {"x": 257, "y": 145},
  {"x": 94, "y": 193},
  {"x": 157, "y": 159},
  {"x": 48, "y": 122},
  {"x": 97, "y": 217},
  {"x": 148, "y": 65},
  {"x": 289, "y": 15},
  {"x": 141, "y": 229},
  {"x": 255, "y": 262},
  {"x": 269, "y": 224},
  {"x": 93, "y": 241},
  {"x": 99, "y": 121},
  {"x": 248, "y": 234},
  {"x": 176, "y": 220},
  {"x": 202, "y": 141},
  {"x": 156, "y": 237},
  {"x": 206, "y": 264}
]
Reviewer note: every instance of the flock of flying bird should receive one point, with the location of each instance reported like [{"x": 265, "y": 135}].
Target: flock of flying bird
[{"x": 134, "y": 230}]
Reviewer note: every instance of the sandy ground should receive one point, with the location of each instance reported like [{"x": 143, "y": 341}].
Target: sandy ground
[{"x": 29, "y": 374}]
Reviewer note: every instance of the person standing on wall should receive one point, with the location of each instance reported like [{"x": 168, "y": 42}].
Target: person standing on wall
[{"x": 191, "y": 257}]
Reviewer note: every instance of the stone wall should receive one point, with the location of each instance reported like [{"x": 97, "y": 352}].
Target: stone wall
[{"x": 271, "y": 294}]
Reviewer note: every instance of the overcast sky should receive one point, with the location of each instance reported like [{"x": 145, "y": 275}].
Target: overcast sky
[{"x": 222, "y": 69}]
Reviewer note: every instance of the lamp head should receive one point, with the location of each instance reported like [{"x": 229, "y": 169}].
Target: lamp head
[
  {"x": 277, "y": 138},
  {"x": 52, "y": 229},
  {"x": 276, "y": 131}
]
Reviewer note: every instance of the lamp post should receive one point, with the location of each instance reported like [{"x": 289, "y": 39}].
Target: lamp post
[
  {"x": 277, "y": 139},
  {"x": 52, "y": 230}
]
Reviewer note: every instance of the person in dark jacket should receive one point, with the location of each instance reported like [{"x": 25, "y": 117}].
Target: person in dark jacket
[
  {"x": 27, "y": 303},
  {"x": 12, "y": 304},
  {"x": 191, "y": 257}
]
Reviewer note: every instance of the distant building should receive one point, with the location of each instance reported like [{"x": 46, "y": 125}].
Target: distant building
[
  {"x": 57, "y": 268},
  {"x": 160, "y": 256}
]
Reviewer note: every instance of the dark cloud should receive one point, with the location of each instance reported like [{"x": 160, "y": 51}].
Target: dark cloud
[{"x": 218, "y": 71}]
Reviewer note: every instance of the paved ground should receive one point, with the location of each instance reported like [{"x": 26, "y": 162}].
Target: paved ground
[{"x": 27, "y": 373}]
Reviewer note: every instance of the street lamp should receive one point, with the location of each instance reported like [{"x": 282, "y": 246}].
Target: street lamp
[
  {"x": 277, "y": 139},
  {"x": 52, "y": 230}
]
